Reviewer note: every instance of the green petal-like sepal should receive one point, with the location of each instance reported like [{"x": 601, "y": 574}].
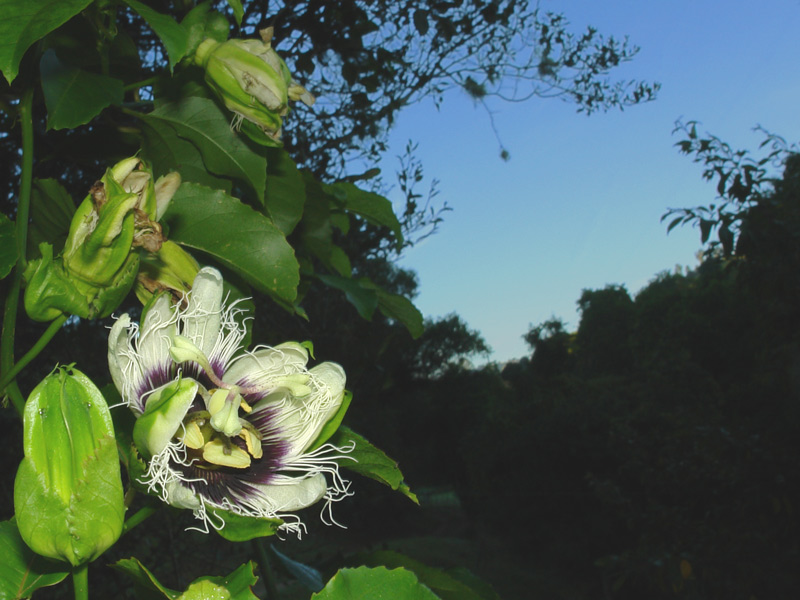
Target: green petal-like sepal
[
  {"x": 68, "y": 492},
  {"x": 163, "y": 416},
  {"x": 49, "y": 291},
  {"x": 170, "y": 269}
]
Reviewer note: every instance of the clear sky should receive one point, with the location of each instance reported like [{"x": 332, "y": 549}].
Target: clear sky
[{"x": 578, "y": 205}]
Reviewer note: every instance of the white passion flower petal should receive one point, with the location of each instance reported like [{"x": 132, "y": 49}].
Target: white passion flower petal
[
  {"x": 120, "y": 362},
  {"x": 290, "y": 493},
  {"x": 202, "y": 318},
  {"x": 266, "y": 366},
  {"x": 300, "y": 419}
]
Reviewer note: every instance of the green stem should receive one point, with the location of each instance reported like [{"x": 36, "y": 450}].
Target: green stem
[
  {"x": 265, "y": 568},
  {"x": 138, "y": 517},
  {"x": 80, "y": 581},
  {"x": 26, "y": 176},
  {"x": 51, "y": 330},
  {"x": 23, "y": 213}
]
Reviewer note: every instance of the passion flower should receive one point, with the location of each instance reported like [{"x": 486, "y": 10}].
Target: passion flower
[{"x": 221, "y": 428}]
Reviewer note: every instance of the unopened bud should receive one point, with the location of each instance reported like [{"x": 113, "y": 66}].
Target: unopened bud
[
  {"x": 68, "y": 493},
  {"x": 253, "y": 82}
]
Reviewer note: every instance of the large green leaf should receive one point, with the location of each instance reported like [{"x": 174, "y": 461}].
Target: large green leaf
[
  {"x": 373, "y": 207},
  {"x": 447, "y": 584},
  {"x": 224, "y": 153},
  {"x": 26, "y": 21},
  {"x": 401, "y": 309},
  {"x": 22, "y": 571},
  {"x": 174, "y": 37},
  {"x": 380, "y": 582},
  {"x": 167, "y": 151},
  {"x": 73, "y": 96},
  {"x": 365, "y": 459},
  {"x": 8, "y": 245},
  {"x": 243, "y": 240},
  {"x": 286, "y": 191},
  {"x": 360, "y": 293}
]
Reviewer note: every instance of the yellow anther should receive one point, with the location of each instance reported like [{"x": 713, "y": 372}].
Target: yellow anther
[
  {"x": 253, "y": 442},
  {"x": 224, "y": 454},
  {"x": 193, "y": 436}
]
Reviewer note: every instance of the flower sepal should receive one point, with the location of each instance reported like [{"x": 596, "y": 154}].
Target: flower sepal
[
  {"x": 163, "y": 416},
  {"x": 238, "y": 528}
]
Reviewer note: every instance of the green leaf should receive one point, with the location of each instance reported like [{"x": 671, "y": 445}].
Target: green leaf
[
  {"x": 8, "y": 245},
  {"x": 238, "y": 10},
  {"x": 341, "y": 262},
  {"x": 73, "y": 96},
  {"x": 235, "y": 586},
  {"x": 22, "y": 571},
  {"x": 51, "y": 214},
  {"x": 373, "y": 207},
  {"x": 367, "y": 460},
  {"x": 202, "y": 122},
  {"x": 243, "y": 240},
  {"x": 167, "y": 151},
  {"x": 147, "y": 586},
  {"x": 174, "y": 37},
  {"x": 401, "y": 309},
  {"x": 363, "y": 297},
  {"x": 241, "y": 529},
  {"x": 26, "y": 21},
  {"x": 363, "y": 582},
  {"x": 285, "y": 192},
  {"x": 448, "y": 585}
]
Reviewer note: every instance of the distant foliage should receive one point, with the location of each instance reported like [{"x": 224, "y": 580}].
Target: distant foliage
[{"x": 746, "y": 186}]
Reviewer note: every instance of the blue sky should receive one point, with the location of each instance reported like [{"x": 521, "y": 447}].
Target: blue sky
[{"x": 578, "y": 205}]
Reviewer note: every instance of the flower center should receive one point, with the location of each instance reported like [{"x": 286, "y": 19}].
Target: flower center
[{"x": 218, "y": 437}]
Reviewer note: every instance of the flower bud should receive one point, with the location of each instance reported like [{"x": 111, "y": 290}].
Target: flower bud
[
  {"x": 98, "y": 266},
  {"x": 171, "y": 269},
  {"x": 253, "y": 82},
  {"x": 68, "y": 493}
]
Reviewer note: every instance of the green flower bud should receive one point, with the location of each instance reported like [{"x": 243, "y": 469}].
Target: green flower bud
[
  {"x": 50, "y": 292},
  {"x": 68, "y": 493},
  {"x": 120, "y": 212},
  {"x": 99, "y": 265},
  {"x": 171, "y": 269},
  {"x": 253, "y": 82}
]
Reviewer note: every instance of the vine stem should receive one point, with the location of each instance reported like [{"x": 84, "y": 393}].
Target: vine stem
[
  {"x": 51, "y": 330},
  {"x": 265, "y": 568},
  {"x": 80, "y": 581},
  {"x": 23, "y": 213},
  {"x": 138, "y": 517}
]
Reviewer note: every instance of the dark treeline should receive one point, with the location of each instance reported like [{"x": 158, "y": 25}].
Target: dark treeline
[{"x": 653, "y": 452}]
